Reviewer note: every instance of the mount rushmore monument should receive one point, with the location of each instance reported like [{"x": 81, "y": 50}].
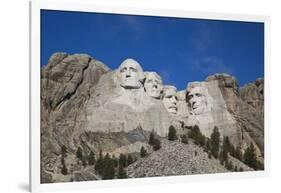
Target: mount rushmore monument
[{"x": 87, "y": 105}]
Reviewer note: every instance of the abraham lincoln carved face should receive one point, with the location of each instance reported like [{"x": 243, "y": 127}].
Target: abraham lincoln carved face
[{"x": 197, "y": 100}]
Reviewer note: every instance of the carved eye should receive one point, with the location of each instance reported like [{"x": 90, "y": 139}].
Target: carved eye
[
  {"x": 149, "y": 81},
  {"x": 198, "y": 94},
  {"x": 133, "y": 69},
  {"x": 123, "y": 69}
]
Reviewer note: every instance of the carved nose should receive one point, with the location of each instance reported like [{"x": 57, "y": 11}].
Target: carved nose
[{"x": 128, "y": 73}]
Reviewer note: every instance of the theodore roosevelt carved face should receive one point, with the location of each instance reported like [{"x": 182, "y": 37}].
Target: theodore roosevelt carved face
[
  {"x": 170, "y": 99},
  {"x": 153, "y": 84},
  {"x": 131, "y": 74}
]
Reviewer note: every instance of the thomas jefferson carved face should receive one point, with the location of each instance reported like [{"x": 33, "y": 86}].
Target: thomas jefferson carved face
[
  {"x": 131, "y": 74},
  {"x": 153, "y": 84},
  {"x": 197, "y": 100},
  {"x": 170, "y": 99}
]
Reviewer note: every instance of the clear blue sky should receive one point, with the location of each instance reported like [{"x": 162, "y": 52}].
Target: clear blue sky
[{"x": 180, "y": 50}]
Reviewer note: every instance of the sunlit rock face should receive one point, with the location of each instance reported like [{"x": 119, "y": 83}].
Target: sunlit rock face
[
  {"x": 182, "y": 105},
  {"x": 197, "y": 98},
  {"x": 243, "y": 108},
  {"x": 153, "y": 84},
  {"x": 218, "y": 103},
  {"x": 121, "y": 105},
  {"x": 253, "y": 94},
  {"x": 131, "y": 74},
  {"x": 208, "y": 109},
  {"x": 85, "y": 104},
  {"x": 170, "y": 98}
]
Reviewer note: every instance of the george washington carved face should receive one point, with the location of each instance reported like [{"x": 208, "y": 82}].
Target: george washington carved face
[
  {"x": 197, "y": 100},
  {"x": 153, "y": 84},
  {"x": 131, "y": 74},
  {"x": 170, "y": 99}
]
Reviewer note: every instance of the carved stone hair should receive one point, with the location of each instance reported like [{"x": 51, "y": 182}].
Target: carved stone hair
[
  {"x": 138, "y": 66},
  {"x": 153, "y": 73},
  {"x": 204, "y": 90},
  {"x": 168, "y": 87}
]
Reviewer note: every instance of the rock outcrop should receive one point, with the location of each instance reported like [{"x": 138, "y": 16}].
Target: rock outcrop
[
  {"x": 237, "y": 113},
  {"x": 85, "y": 104},
  {"x": 209, "y": 109},
  {"x": 248, "y": 118},
  {"x": 65, "y": 86}
]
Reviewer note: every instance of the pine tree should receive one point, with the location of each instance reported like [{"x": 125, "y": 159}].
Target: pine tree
[
  {"x": 197, "y": 136},
  {"x": 123, "y": 160},
  {"x": 226, "y": 144},
  {"x": 215, "y": 142},
  {"x": 115, "y": 161},
  {"x": 208, "y": 144},
  {"x": 64, "y": 169},
  {"x": 260, "y": 166},
  {"x": 229, "y": 165},
  {"x": 91, "y": 158},
  {"x": 99, "y": 167},
  {"x": 232, "y": 150},
  {"x": 130, "y": 159},
  {"x": 222, "y": 158},
  {"x": 238, "y": 153},
  {"x": 143, "y": 152},
  {"x": 250, "y": 157},
  {"x": 151, "y": 138},
  {"x": 108, "y": 170},
  {"x": 172, "y": 135},
  {"x": 63, "y": 151},
  {"x": 122, "y": 174},
  {"x": 156, "y": 145},
  {"x": 84, "y": 161},
  {"x": 226, "y": 148},
  {"x": 79, "y": 153},
  {"x": 194, "y": 132},
  {"x": 202, "y": 140}
]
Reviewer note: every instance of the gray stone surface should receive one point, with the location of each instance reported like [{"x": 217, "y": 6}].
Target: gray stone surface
[
  {"x": 210, "y": 110},
  {"x": 153, "y": 84},
  {"x": 169, "y": 98},
  {"x": 175, "y": 159},
  {"x": 230, "y": 109},
  {"x": 84, "y": 103}
]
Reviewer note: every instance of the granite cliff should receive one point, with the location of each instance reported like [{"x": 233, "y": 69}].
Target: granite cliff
[{"x": 85, "y": 104}]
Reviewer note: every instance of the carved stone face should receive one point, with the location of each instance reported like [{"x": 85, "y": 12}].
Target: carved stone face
[
  {"x": 131, "y": 74},
  {"x": 170, "y": 99},
  {"x": 197, "y": 100},
  {"x": 153, "y": 84}
]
